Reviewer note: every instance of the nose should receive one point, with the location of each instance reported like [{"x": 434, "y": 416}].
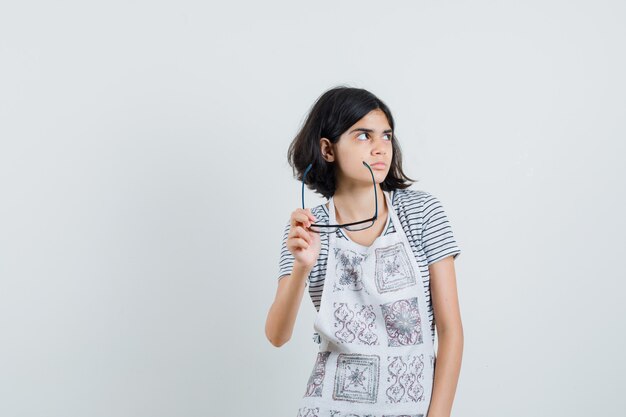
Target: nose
[{"x": 380, "y": 147}]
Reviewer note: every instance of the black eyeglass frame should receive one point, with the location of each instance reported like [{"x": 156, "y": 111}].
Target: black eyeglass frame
[{"x": 373, "y": 219}]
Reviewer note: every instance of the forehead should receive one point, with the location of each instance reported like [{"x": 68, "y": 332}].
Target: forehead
[
  {"x": 376, "y": 121},
  {"x": 376, "y": 118}
]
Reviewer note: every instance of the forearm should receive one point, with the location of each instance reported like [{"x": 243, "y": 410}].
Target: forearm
[
  {"x": 447, "y": 370},
  {"x": 284, "y": 310}
]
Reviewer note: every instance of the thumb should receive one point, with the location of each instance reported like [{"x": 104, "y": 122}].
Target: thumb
[{"x": 311, "y": 216}]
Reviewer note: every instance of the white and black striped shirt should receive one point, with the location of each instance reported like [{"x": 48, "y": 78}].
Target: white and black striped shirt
[{"x": 427, "y": 228}]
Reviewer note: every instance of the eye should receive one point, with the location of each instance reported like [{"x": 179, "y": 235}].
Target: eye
[{"x": 388, "y": 135}]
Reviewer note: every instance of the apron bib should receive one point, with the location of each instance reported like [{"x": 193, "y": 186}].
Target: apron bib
[{"x": 376, "y": 356}]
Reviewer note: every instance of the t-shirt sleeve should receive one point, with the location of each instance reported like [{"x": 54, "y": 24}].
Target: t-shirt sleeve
[
  {"x": 437, "y": 236},
  {"x": 285, "y": 264}
]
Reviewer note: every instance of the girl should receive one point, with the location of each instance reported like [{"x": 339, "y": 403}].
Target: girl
[{"x": 378, "y": 259}]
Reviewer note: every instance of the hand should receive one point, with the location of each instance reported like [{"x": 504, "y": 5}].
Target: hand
[{"x": 303, "y": 244}]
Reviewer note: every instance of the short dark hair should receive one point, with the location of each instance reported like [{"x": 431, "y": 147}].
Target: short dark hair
[{"x": 334, "y": 112}]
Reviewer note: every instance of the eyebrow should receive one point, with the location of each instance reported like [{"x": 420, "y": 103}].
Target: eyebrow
[{"x": 362, "y": 129}]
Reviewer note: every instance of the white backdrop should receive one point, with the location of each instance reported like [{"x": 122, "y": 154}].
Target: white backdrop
[{"x": 144, "y": 189}]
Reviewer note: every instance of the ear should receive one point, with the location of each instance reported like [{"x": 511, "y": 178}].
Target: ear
[{"x": 328, "y": 152}]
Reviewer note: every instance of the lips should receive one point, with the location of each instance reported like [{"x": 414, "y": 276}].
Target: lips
[{"x": 378, "y": 165}]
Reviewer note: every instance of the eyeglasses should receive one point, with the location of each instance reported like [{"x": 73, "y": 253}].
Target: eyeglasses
[{"x": 329, "y": 228}]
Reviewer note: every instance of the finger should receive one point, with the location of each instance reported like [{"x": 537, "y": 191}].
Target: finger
[
  {"x": 306, "y": 213},
  {"x": 300, "y": 217},
  {"x": 295, "y": 216},
  {"x": 300, "y": 243},
  {"x": 310, "y": 215},
  {"x": 299, "y": 231}
]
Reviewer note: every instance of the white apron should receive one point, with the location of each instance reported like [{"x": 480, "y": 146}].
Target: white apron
[{"x": 376, "y": 355}]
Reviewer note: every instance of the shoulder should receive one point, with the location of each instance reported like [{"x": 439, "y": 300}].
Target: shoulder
[{"x": 411, "y": 201}]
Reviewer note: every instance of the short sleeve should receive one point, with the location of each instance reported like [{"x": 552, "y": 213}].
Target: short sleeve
[
  {"x": 437, "y": 237},
  {"x": 285, "y": 264}
]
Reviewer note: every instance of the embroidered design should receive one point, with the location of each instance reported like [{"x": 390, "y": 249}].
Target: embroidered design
[
  {"x": 356, "y": 378},
  {"x": 335, "y": 413},
  {"x": 316, "y": 380},
  {"x": 403, "y": 322},
  {"x": 348, "y": 270},
  {"x": 393, "y": 268},
  {"x": 356, "y": 325},
  {"x": 308, "y": 412},
  {"x": 405, "y": 372},
  {"x": 403, "y": 415}
]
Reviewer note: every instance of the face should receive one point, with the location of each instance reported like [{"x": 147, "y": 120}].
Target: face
[{"x": 367, "y": 140}]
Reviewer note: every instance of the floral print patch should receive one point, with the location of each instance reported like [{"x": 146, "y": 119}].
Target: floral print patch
[
  {"x": 316, "y": 380},
  {"x": 403, "y": 415},
  {"x": 356, "y": 378},
  {"x": 404, "y": 375},
  {"x": 308, "y": 412},
  {"x": 349, "y": 270},
  {"x": 393, "y": 269},
  {"x": 403, "y": 322},
  {"x": 355, "y": 324}
]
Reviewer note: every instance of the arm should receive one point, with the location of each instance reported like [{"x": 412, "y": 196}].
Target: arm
[
  {"x": 284, "y": 310},
  {"x": 450, "y": 336},
  {"x": 300, "y": 249}
]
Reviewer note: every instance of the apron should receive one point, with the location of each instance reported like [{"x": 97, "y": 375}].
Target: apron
[{"x": 376, "y": 356}]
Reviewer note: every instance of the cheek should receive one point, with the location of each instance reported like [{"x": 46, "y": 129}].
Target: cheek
[{"x": 352, "y": 164}]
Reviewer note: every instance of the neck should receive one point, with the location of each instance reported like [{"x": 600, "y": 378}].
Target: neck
[{"x": 355, "y": 203}]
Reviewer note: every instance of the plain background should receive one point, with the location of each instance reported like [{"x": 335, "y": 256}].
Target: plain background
[{"x": 144, "y": 189}]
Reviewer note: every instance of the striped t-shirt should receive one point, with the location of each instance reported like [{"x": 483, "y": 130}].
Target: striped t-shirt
[{"x": 426, "y": 226}]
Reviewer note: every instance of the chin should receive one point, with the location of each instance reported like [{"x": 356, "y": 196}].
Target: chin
[{"x": 380, "y": 176}]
